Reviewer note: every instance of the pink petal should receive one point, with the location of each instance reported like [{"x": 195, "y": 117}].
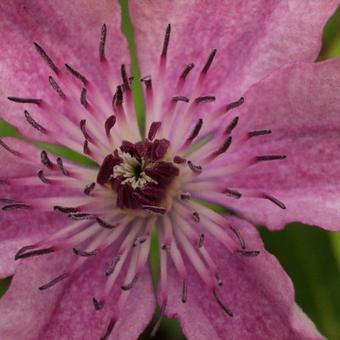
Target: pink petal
[
  {"x": 256, "y": 289},
  {"x": 69, "y": 32},
  {"x": 252, "y": 38},
  {"x": 66, "y": 310},
  {"x": 301, "y": 105}
]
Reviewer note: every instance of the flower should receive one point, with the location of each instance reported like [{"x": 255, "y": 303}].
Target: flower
[{"x": 267, "y": 121}]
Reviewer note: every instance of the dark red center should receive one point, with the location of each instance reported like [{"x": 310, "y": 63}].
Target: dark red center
[{"x": 148, "y": 160}]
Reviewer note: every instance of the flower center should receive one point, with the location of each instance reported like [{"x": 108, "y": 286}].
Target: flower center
[{"x": 139, "y": 173}]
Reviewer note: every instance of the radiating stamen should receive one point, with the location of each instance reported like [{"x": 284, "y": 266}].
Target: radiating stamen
[
  {"x": 207, "y": 65},
  {"x": 42, "y": 177},
  {"x": 98, "y": 304},
  {"x": 195, "y": 168},
  {"x": 33, "y": 123},
  {"x": 125, "y": 78},
  {"x": 239, "y": 237},
  {"x": 83, "y": 100},
  {"x": 200, "y": 241},
  {"x": 196, "y": 216},
  {"x": 54, "y": 281},
  {"x": 269, "y": 158},
  {"x": 234, "y": 105},
  {"x": 84, "y": 253},
  {"x": 231, "y": 126},
  {"x": 102, "y": 42},
  {"x": 76, "y": 74},
  {"x": 185, "y": 196},
  {"x": 56, "y": 87},
  {"x": 109, "y": 124},
  {"x": 82, "y": 125},
  {"x": 25, "y": 100},
  {"x": 205, "y": 99},
  {"x": 222, "y": 305},
  {"x": 184, "y": 291},
  {"x": 249, "y": 253},
  {"x": 86, "y": 148},
  {"x": 45, "y": 160},
  {"x": 179, "y": 160},
  {"x": 195, "y": 131},
  {"x": 274, "y": 200},
  {"x": 108, "y": 330},
  {"x": 129, "y": 285},
  {"x": 233, "y": 193},
  {"x": 105, "y": 224},
  {"x": 61, "y": 167},
  {"x": 259, "y": 133},
  {"x": 154, "y": 209},
  {"x": 180, "y": 99},
  {"x": 158, "y": 322},
  {"x": 89, "y": 187},
  {"x": 15, "y": 206},
  {"x": 21, "y": 254},
  {"x": 187, "y": 70},
  {"x": 9, "y": 149},
  {"x": 166, "y": 41},
  {"x": 47, "y": 59},
  {"x": 112, "y": 266},
  {"x": 224, "y": 146},
  {"x": 66, "y": 210},
  {"x": 153, "y": 130}
]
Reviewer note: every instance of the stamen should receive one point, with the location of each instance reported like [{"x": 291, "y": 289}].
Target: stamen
[
  {"x": 139, "y": 240},
  {"x": 125, "y": 77},
  {"x": 45, "y": 160},
  {"x": 233, "y": 193},
  {"x": 61, "y": 166},
  {"x": 22, "y": 255},
  {"x": 269, "y": 158},
  {"x": 102, "y": 43},
  {"x": 54, "y": 281},
  {"x": 185, "y": 196},
  {"x": 259, "y": 133},
  {"x": 147, "y": 81},
  {"x": 82, "y": 125},
  {"x": 15, "y": 206},
  {"x": 166, "y": 41},
  {"x": 83, "y": 253},
  {"x": 108, "y": 330},
  {"x": 47, "y": 59},
  {"x": 65, "y": 210},
  {"x": 81, "y": 216},
  {"x": 205, "y": 99},
  {"x": 56, "y": 87},
  {"x": 83, "y": 100},
  {"x": 221, "y": 304},
  {"x": 109, "y": 124},
  {"x": 76, "y": 74},
  {"x": 158, "y": 322},
  {"x": 219, "y": 281},
  {"x": 196, "y": 130},
  {"x": 186, "y": 71},
  {"x": 201, "y": 241},
  {"x": 9, "y": 149},
  {"x": 112, "y": 266},
  {"x": 274, "y": 200},
  {"x": 32, "y": 122},
  {"x": 86, "y": 148},
  {"x": 153, "y": 130},
  {"x": 184, "y": 291},
  {"x": 42, "y": 177},
  {"x": 195, "y": 168},
  {"x": 239, "y": 237},
  {"x": 25, "y": 100},
  {"x": 104, "y": 224},
  {"x": 129, "y": 285},
  {"x": 118, "y": 97},
  {"x": 234, "y": 105},
  {"x": 98, "y": 305},
  {"x": 249, "y": 253},
  {"x": 180, "y": 99},
  {"x": 224, "y": 147},
  {"x": 209, "y": 62},
  {"x": 196, "y": 216},
  {"x": 88, "y": 189},
  {"x": 154, "y": 209},
  {"x": 231, "y": 126},
  {"x": 179, "y": 160}
]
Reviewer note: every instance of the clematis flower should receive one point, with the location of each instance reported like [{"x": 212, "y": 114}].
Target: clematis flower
[{"x": 237, "y": 114}]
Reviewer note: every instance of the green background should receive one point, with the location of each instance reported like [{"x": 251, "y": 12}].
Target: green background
[{"x": 310, "y": 256}]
